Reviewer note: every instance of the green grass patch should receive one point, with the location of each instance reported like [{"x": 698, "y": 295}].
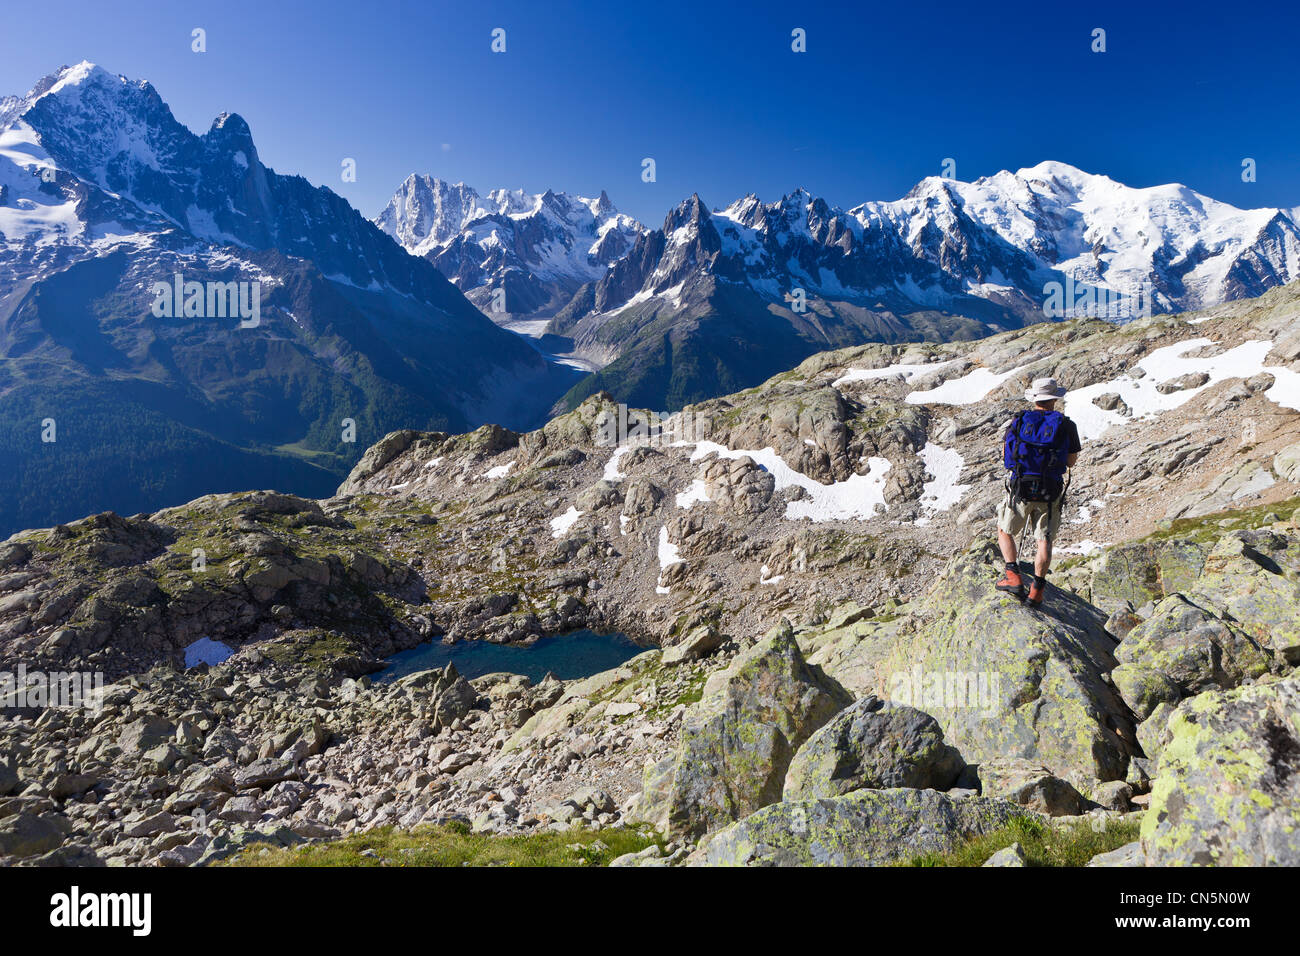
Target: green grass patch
[
  {"x": 1044, "y": 845},
  {"x": 454, "y": 845},
  {"x": 1209, "y": 528},
  {"x": 692, "y": 693},
  {"x": 321, "y": 652},
  {"x": 1072, "y": 562}
]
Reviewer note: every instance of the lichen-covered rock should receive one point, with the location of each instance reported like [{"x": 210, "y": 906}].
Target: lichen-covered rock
[
  {"x": 1147, "y": 570},
  {"x": 27, "y": 834},
  {"x": 697, "y": 643},
  {"x": 1123, "y": 618},
  {"x": 264, "y": 773},
  {"x": 549, "y": 720},
  {"x": 602, "y": 494},
  {"x": 1114, "y": 795},
  {"x": 1013, "y": 855},
  {"x": 145, "y": 734},
  {"x": 1153, "y": 733},
  {"x": 838, "y": 647},
  {"x": 863, "y": 828},
  {"x": 872, "y": 744},
  {"x": 1004, "y": 680},
  {"x": 738, "y": 740},
  {"x": 450, "y": 696},
  {"x": 1254, "y": 578},
  {"x": 1239, "y": 480},
  {"x": 1192, "y": 647},
  {"x": 1029, "y": 784},
  {"x": 1144, "y": 688},
  {"x": 1287, "y": 463},
  {"x": 8, "y": 779},
  {"x": 377, "y": 456},
  {"x": 1227, "y": 786}
]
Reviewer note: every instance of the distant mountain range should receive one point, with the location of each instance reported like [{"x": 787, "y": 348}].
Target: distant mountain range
[
  {"x": 106, "y": 403},
  {"x": 716, "y": 301},
  {"x": 114, "y": 394},
  {"x": 537, "y": 249}
]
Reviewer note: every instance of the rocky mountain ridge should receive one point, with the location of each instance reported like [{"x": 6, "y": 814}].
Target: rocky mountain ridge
[
  {"x": 535, "y": 250},
  {"x": 104, "y": 196},
  {"x": 720, "y": 300}
]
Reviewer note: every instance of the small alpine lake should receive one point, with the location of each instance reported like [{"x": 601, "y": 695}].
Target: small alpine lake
[{"x": 567, "y": 656}]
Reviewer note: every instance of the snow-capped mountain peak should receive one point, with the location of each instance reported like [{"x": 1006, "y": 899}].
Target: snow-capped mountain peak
[
  {"x": 538, "y": 248},
  {"x": 280, "y": 298},
  {"x": 1189, "y": 250},
  {"x": 950, "y": 259}
]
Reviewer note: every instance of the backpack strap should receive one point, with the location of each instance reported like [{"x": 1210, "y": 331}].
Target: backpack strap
[{"x": 1013, "y": 439}]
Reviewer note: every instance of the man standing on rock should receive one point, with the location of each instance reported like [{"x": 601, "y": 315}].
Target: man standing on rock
[{"x": 1039, "y": 446}]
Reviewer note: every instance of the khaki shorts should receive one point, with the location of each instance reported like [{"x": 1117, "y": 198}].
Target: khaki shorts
[{"x": 1044, "y": 517}]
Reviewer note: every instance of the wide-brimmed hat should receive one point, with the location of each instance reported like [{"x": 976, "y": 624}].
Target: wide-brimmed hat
[{"x": 1044, "y": 390}]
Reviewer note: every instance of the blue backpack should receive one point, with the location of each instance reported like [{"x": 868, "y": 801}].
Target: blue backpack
[{"x": 1033, "y": 451}]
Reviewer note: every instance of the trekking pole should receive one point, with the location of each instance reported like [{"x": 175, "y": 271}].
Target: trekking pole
[
  {"x": 1065, "y": 490},
  {"x": 1060, "y": 505}
]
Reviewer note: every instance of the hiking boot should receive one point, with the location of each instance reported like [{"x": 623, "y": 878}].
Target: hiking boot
[
  {"x": 1036, "y": 592},
  {"x": 1012, "y": 583}
]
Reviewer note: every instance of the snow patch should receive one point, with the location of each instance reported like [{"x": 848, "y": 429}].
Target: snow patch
[
  {"x": 1085, "y": 547},
  {"x": 1162, "y": 365},
  {"x": 668, "y": 552},
  {"x": 611, "y": 467},
  {"x": 858, "y": 496},
  {"x": 206, "y": 651},
  {"x": 943, "y": 491},
  {"x": 1286, "y": 387},
  {"x": 560, "y": 525},
  {"x": 698, "y": 491},
  {"x": 668, "y": 556},
  {"x": 903, "y": 373},
  {"x": 1087, "y": 511},
  {"x": 967, "y": 390}
]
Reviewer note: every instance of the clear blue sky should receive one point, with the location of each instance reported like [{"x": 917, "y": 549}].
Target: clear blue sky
[{"x": 712, "y": 91}]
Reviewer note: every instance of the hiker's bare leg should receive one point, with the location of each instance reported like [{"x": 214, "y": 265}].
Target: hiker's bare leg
[
  {"x": 1044, "y": 559},
  {"x": 1008, "y": 546}
]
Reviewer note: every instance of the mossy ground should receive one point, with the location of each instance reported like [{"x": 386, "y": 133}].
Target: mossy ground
[
  {"x": 692, "y": 694},
  {"x": 321, "y": 650},
  {"x": 454, "y": 845},
  {"x": 1209, "y": 528},
  {"x": 1044, "y": 845}
]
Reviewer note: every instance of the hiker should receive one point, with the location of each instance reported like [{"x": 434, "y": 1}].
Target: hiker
[{"x": 1039, "y": 447}]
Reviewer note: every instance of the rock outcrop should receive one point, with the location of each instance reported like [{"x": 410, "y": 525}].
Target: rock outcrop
[
  {"x": 738, "y": 741},
  {"x": 872, "y": 744},
  {"x": 1001, "y": 679},
  {"x": 1227, "y": 786},
  {"x": 863, "y": 828}
]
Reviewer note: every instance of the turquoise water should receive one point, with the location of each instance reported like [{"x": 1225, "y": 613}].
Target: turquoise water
[{"x": 567, "y": 656}]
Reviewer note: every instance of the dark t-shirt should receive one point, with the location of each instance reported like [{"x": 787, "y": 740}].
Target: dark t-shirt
[{"x": 1070, "y": 435}]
